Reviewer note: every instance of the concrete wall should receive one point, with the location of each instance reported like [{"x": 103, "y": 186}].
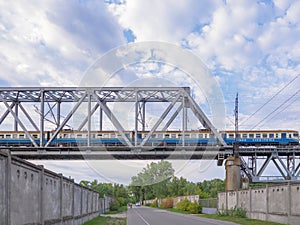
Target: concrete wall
[
  {"x": 30, "y": 194},
  {"x": 276, "y": 203}
]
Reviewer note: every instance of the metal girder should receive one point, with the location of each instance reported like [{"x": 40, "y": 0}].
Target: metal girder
[
  {"x": 19, "y": 121},
  {"x": 73, "y": 94},
  {"x": 281, "y": 161},
  {"x": 98, "y": 99}
]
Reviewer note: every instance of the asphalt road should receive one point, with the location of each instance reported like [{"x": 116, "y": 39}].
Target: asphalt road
[{"x": 148, "y": 216}]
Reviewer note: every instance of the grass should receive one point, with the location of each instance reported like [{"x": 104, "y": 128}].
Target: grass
[
  {"x": 242, "y": 221},
  {"x": 120, "y": 210},
  {"x": 101, "y": 220},
  {"x": 177, "y": 210}
]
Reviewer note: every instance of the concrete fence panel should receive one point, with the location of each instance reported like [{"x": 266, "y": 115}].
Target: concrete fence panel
[
  {"x": 279, "y": 203},
  {"x": 30, "y": 194}
]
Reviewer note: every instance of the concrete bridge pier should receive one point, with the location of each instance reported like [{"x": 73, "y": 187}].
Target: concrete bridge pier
[{"x": 233, "y": 173}]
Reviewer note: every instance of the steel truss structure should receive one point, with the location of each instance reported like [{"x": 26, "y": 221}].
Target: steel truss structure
[
  {"x": 257, "y": 162},
  {"x": 50, "y": 102},
  {"x": 98, "y": 99}
]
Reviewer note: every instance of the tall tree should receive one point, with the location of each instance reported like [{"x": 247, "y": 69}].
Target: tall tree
[{"x": 152, "y": 181}]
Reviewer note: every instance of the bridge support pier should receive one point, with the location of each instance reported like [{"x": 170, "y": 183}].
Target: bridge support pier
[{"x": 233, "y": 173}]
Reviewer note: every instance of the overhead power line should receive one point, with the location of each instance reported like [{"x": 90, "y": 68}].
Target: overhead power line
[
  {"x": 275, "y": 109},
  {"x": 270, "y": 99},
  {"x": 283, "y": 109}
]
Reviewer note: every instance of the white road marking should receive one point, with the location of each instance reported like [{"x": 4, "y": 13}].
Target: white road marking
[{"x": 141, "y": 217}]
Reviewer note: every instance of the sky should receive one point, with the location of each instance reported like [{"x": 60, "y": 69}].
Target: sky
[{"x": 250, "y": 47}]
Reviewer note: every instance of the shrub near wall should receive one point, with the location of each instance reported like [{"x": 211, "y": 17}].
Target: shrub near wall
[
  {"x": 167, "y": 203},
  {"x": 188, "y": 206}
]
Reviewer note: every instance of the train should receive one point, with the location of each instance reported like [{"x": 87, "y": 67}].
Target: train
[{"x": 167, "y": 138}]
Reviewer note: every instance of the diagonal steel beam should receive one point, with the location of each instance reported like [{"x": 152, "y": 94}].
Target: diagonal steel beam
[
  {"x": 28, "y": 117},
  {"x": 86, "y": 118},
  {"x": 5, "y": 114},
  {"x": 264, "y": 166},
  {"x": 279, "y": 169},
  {"x": 284, "y": 167},
  {"x": 113, "y": 119},
  {"x": 19, "y": 121},
  {"x": 204, "y": 120},
  {"x": 67, "y": 118},
  {"x": 297, "y": 171},
  {"x": 163, "y": 116}
]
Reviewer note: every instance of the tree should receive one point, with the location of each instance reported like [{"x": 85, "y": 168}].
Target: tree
[{"x": 152, "y": 180}]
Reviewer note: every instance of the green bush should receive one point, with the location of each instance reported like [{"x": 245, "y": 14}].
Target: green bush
[
  {"x": 153, "y": 204},
  {"x": 114, "y": 205},
  {"x": 167, "y": 203},
  {"x": 122, "y": 201},
  {"x": 194, "y": 208},
  {"x": 235, "y": 212},
  {"x": 186, "y": 205},
  {"x": 183, "y": 205}
]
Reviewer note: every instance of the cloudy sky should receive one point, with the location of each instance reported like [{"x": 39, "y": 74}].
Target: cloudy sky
[{"x": 250, "y": 47}]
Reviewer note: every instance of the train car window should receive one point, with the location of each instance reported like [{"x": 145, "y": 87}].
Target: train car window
[
  {"x": 296, "y": 135},
  {"x": 159, "y": 136},
  {"x": 35, "y": 136},
  {"x": 276, "y": 135},
  {"x": 1, "y": 135},
  {"x": 14, "y": 136},
  {"x": 290, "y": 135},
  {"x": 193, "y": 135},
  {"x": 8, "y": 136},
  {"x": 251, "y": 135},
  {"x": 66, "y": 136},
  {"x": 167, "y": 135},
  {"x": 173, "y": 135},
  {"x": 72, "y": 135},
  {"x": 200, "y": 135},
  {"x": 271, "y": 135},
  {"x": 244, "y": 135},
  {"x": 21, "y": 136},
  {"x": 179, "y": 135},
  {"x": 112, "y": 136},
  {"x": 153, "y": 136},
  {"x": 93, "y": 135},
  {"x": 105, "y": 135},
  {"x": 187, "y": 135},
  {"x": 99, "y": 135},
  {"x": 231, "y": 136},
  {"x": 238, "y": 135},
  {"x": 257, "y": 135},
  {"x": 79, "y": 135},
  {"x": 265, "y": 135}
]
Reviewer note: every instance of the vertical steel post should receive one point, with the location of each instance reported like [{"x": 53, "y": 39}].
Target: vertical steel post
[
  {"x": 42, "y": 114},
  {"x": 136, "y": 119},
  {"x": 100, "y": 119},
  {"x": 144, "y": 115},
  {"x": 184, "y": 119},
  {"x": 58, "y": 115},
  {"x": 17, "y": 114},
  {"x": 236, "y": 115},
  {"x": 89, "y": 120}
]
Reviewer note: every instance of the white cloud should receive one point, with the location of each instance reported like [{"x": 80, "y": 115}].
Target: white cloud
[
  {"x": 52, "y": 43},
  {"x": 162, "y": 20}
]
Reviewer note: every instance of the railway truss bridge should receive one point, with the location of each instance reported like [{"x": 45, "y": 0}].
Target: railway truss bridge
[{"x": 37, "y": 117}]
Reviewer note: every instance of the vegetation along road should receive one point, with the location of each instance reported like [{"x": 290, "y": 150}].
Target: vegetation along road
[{"x": 151, "y": 216}]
